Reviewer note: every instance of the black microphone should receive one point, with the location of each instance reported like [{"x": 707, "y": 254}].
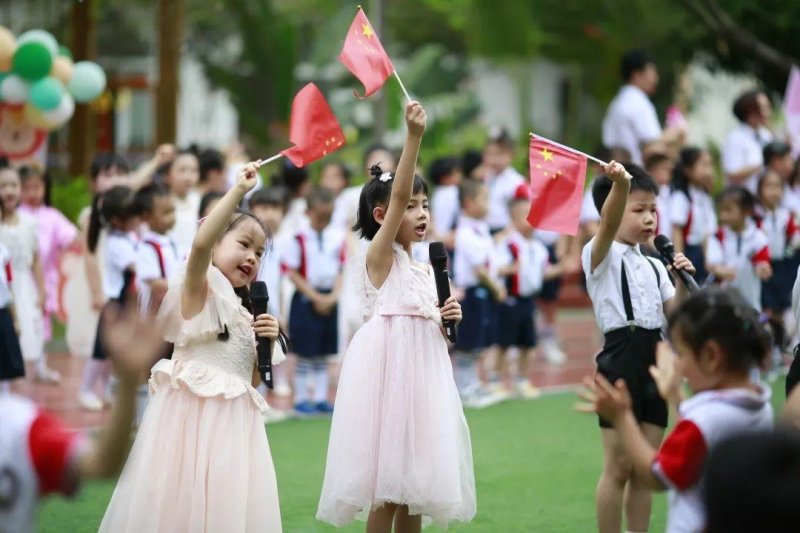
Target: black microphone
[
  {"x": 667, "y": 251},
  {"x": 260, "y": 298},
  {"x": 438, "y": 257}
]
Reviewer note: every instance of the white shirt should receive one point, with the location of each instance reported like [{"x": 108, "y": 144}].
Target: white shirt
[
  {"x": 474, "y": 248},
  {"x": 5, "y": 277},
  {"x": 695, "y": 214},
  {"x": 295, "y": 219},
  {"x": 706, "y": 419},
  {"x": 502, "y": 188},
  {"x": 149, "y": 263},
  {"x": 318, "y": 257},
  {"x": 532, "y": 258},
  {"x": 119, "y": 255},
  {"x": 605, "y": 287},
  {"x": 271, "y": 272},
  {"x": 780, "y": 227},
  {"x": 740, "y": 252},
  {"x": 663, "y": 201},
  {"x": 345, "y": 210},
  {"x": 744, "y": 147},
  {"x": 630, "y": 122},
  {"x": 589, "y": 212},
  {"x": 445, "y": 208},
  {"x": 186, "y": 217},
  {"x": 791, "y": 199}
]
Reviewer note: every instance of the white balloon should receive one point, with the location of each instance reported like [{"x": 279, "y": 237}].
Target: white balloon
[
  {"x": 14, "y": 89},
  {"x": 60, "y": 115},
  {"x": 39, "y": 36}
]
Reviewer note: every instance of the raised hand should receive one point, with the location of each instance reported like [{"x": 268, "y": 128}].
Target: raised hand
[
  {"x": 416, "y": 119},
  {"x": 248, "y": 176}
]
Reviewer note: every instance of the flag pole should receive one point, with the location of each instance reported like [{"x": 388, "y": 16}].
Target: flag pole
[
  {"x": 403, "y": 87},
  {"x": 573, "y": 150},
  {"x": 262, "y": 162}
]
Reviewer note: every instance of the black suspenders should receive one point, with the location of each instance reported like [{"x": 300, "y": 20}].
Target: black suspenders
[{"x": 626, "y": 291}]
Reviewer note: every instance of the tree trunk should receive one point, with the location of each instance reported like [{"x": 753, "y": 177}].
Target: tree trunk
[
  {"x": 170, "y": 38},
  {"x": 83, "y": 125}
]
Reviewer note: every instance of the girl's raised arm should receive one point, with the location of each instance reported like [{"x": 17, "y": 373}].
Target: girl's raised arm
[
  {"x": 379, "y": 256},
  {"x": 209, "y": 232}
]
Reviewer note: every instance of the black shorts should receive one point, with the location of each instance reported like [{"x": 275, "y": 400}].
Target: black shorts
[
  {"x": 476, "y": 330},
  {"x": 312, "y": 334},
  {"x": 551, "y": 287},
  {"x": 11, "y": 364},
  {"x": 516, "y": 323},
  {"x": 628, "y": 353},
  {"x": 776, "y": 292}
]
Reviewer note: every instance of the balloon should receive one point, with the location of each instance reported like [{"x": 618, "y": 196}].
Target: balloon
[
  {"x": 32, "y": 61},
  {"x": 64, "y": 51},
  {"x": 7, "y": 47},
  {"x": 35, "y": 118},
  {"x": 40, "y": 36},
  {"x": 62, "y": 69},
  {"x": 46, "y": 94},
  {"x": 14, "y": 89},
  {"x": 60, "y": 115},
  {"x": 88, "y": 81}
]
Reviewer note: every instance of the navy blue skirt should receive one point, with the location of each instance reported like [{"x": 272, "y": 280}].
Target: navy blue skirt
[
  {"x": 776, "y": 292},
  {"x": 312, "y": 334},
  {"x": 11, "y": 363},
  {"x": 695, "y": 254}
]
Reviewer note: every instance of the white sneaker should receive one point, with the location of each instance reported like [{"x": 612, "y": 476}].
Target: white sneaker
[
  {"x": 48, "y": 375},
  {"x": 553, "y": 352},
  {"x": 90, "y": 402},
  {"x": 528, "y": 391},
  {"x": 273, "y": 415},
  {"x": 482, "y": 398},
  {"x": 282, "y": 390}
]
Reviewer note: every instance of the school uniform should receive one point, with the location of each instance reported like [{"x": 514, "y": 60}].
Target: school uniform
[
  {"x": 516, "y": 315},
  {"x": 631, "y": 121},
  {"x": 664, "y": 225},
  {"x": 552, "y": 287},
  {"x": 744, "y": 147},
  {"x": 696, "y": 215},
  {"x": 742, "y": 252},
  {"x": 11, "y": 362},
  {"x": 782, "y": 235},
  {"x": 474, "y": 248},
  {"x": 445, "y": 208},
  {"x": 271, "y": 272},
  {"x": 319, "y": 258},
  {"x": 119, "y": 280},
  {"x": 157, "y": 257},
  {"x": 628, "y": 291},
  {"x": 502, "y": 188}
]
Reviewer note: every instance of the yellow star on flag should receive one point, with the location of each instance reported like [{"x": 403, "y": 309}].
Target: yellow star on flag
[
  {"x": 366, "y": 30},
  {"x": 547, "y": 154}
]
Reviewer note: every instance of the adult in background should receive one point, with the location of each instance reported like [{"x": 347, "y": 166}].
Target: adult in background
[
  {"x": 631, "y": 121},
  {"x": 742, "y": 153}
]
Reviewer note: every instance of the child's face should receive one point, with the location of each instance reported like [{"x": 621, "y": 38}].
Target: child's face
[
  {"x": 33, "y": 191},
  {"x": 691, "y": 365},
  {"x": 415, "y": 221},
  {"x": 731, "y": 214},
  {"x": 454, "y": 178},
  {"x": 662, "y": 173},
  {"x": 9, "y": 189},
  {"x": 519, "y": 218},
  {"x": 771, "y": 190},
  {"x": 701, "y": 173},
  {"x": 269, "y": 215},
  {"x": 183, "y": 174},
  {"x": 784, "y": 166},
  {"x": 238, "y": 254},
  {"x": 108, "y": 178},
  {"x": 216, "y": 181},
  {"x": 478, "y": 205},
  {"x": 497, "y": 157},
  {"x": 639, "y": 221},
  {"x": 332, "y": 178},
  {"x": 161, "y": 218},
  {"x": 319, "y": 215}
]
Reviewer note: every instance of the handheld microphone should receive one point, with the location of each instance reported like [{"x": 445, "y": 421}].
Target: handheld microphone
[
  {"x": 438, "y": 257},
  {"x": 260, "y": 298},
  {"x": 667, "y": 251}
]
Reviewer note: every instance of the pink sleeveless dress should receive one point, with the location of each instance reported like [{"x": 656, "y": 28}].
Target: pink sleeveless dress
[{"x": 398, "y": 433}]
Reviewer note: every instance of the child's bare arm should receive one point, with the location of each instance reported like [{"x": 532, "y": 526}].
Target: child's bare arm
[
  {"x": 302, "y": 285},
  {"x": 613, "y": 210}
]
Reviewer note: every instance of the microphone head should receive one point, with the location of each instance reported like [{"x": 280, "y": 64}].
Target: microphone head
[
  {"x": 437, "y": 254},
  {"x": 258, "y": 289},
  {"x": 663, "y": 245}
]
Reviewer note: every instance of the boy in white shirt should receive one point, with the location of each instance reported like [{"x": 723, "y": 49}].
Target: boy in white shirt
[
  {"x": 501, "y": 178},
  {"x": 445, "y": 173}
]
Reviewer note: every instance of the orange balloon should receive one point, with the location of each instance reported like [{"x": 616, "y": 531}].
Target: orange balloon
[
  {"x": 8, "y": 44},
  {"x": 62, "y": 69}
]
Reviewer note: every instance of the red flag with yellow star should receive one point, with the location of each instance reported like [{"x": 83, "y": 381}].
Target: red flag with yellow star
[
  {"x": 557, "y": 178},
  {"x": 364, "y": 56},
  {"x": 313, "y": 128}
]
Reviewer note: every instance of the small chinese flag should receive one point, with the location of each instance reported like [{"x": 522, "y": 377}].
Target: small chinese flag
[
  {"x": 557, "y": 178},
  {"x": 364, "y": 56},
  {"x": 313, "y": 130}
]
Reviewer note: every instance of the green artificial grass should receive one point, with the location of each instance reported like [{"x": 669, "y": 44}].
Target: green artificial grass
[{"x": 536, "y": 465}]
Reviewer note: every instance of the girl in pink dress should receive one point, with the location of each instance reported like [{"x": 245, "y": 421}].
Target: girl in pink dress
[
  {"x": 399, "y": 447},
  {"x": 201, "y": 461},
  {"x": 56, "y": 233}
]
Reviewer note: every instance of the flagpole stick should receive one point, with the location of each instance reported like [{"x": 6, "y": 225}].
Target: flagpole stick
[
  {"x": 263, "y": 162},
  {"x": 573, "y": 150},
  {"x": 403, "y": 87}
]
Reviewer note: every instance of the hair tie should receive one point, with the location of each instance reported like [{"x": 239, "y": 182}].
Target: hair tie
[{"x": 385, "y": 177}]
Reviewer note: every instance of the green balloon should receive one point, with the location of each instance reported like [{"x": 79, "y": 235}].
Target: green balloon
[
  {"x": 46, "y": 94},
  {"x": 32, "y": 61},
  {"x": 64, "y": 51}
]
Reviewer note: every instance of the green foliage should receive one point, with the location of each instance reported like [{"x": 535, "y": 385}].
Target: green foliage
[{"x": 70, "y": 196}]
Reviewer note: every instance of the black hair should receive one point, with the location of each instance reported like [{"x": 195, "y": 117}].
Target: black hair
[
  {"x": 469, "y": 189},
  {"x": 441, "y": 168},
  {"x": 634, "y": 61},
  {"x": 501, "y": 137},
  {"x": 292, "y": 177},
  {"x": 35, "y": 171},
  {"x": 270, "y": 196},
  {"x": 746, "y": 104},
  {"x": 655, "y": 159},
  {"x": 117, "y": 202},
  {"x": 774, "y": 150},
  {"x": 343, "y": 168},
  {"x": 320, "y": 196},
  {"x": 144, "y": 198},
  {"x": 206, "y": 200},
  {"x": 103, "y": 162},
  {"x": 752, "y": 482},
  {"x": 723, "y": 316},
  {"x": 374, "y": 148},
  {"x": 743, "y": 198},
  {"x": 687, "y": 158},
  {"x": 210, "y": 160},
  {"x": 470, "y": 160},
  {"x": 377, "y": 192},
  {"x": 4, "y": 164},
  {"x": 640, "y": 181}
]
